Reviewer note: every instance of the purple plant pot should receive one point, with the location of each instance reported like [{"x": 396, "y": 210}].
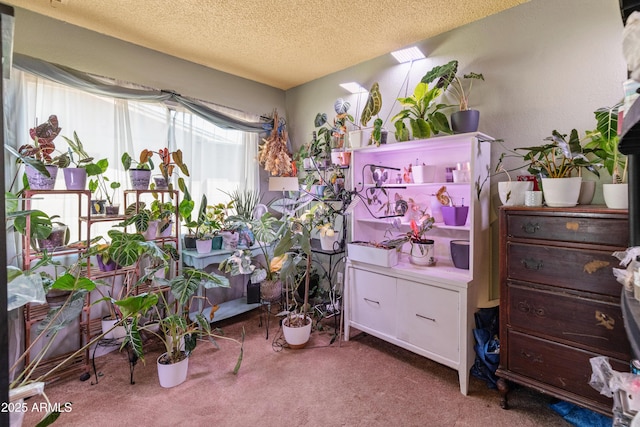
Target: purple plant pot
[
  {"x": 109, "y": 266},
  {"x": 75, "y": 178},
  {"x": 455, "y": 215}
]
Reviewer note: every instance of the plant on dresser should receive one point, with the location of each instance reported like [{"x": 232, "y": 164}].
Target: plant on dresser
[{"x": 425, "y": 309}]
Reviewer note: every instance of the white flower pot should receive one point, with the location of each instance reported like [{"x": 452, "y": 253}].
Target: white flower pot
[
  {"x": 512, "y": 193},
  {"x": 118, "y": 333},
  {"x": 173, "y": 374},
  {"x": 203, "y": 246},
  {"x": 423, "y": 173},
  {"x": 296, "y": 337},
  {"x": 587, "y": 191},
  {"x": 561, "y": 192},
  {"x": 616, "y": 196},
  {"x": 327, "y": 243}
]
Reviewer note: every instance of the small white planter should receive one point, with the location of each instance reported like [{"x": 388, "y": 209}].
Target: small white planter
[
  {"x": 512, "y": 193},
  {"x": 173, "y": 374},
  {"x": 203, "y": 246},
  {"x": 616, "y": 196},
  {"x": 372, "y": 255},
  {"x": 118, "y": 333},
  {"x": 296, "y": 337},
  {"x": 561, "y": 192},
  {"x": 328, "y": 243},
  {"x": 423, "y": 173}
]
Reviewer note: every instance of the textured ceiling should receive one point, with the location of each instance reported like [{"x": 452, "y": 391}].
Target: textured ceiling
[{"x": 281, "y": 43}]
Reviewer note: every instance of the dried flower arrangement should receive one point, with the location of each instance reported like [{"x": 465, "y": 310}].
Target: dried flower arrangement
[{"x": 274, "y": 154}]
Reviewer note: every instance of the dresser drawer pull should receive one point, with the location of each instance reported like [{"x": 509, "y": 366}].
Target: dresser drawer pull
[
  {"x": 370, "y": 300},
  {"x": 532, "y": 264},
  {"x": 530, "y": 228},
  {"x": 425, "y": 317}
]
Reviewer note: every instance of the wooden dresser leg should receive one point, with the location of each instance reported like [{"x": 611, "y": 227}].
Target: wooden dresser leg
[{"x": 503, "y": 389}]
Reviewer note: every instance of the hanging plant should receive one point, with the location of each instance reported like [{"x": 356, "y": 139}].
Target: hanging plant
[{"x": 273, "y": 154}]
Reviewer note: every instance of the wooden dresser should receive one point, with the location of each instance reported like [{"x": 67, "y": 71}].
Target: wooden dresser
[{"x": 559, "y": 300}]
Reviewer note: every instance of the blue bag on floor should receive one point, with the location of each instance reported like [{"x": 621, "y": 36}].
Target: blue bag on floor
[{"x": 487, "y": 346}]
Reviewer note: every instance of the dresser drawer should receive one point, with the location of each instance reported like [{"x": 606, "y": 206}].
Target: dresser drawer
[
  {"x": 586, "y": 322},
  {"x": 557, "y": 365},
  {"x": 597, "y": 231},
  {"x": 580, "y": 269}
]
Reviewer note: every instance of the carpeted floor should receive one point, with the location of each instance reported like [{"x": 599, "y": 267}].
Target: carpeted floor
[{"x": 363, "y": 382}]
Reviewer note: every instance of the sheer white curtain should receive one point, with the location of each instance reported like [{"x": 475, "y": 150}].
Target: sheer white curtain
[{"x": 218, "y": 159}]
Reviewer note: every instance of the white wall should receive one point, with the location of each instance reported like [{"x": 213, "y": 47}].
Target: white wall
[{"x": 548, "y": 65}]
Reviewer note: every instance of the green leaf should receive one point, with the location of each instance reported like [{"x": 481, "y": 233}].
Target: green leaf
[{"x": 445, "y": 73}]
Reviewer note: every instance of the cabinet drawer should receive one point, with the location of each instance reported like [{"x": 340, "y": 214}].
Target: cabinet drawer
[
  {"x": 555, "y": 364},
  {"x": 599, "y": 231},
  {"x": 584, "y": 321},
  {"x": 373, "y": 301},
  {"x": 586, "y": 270},
  {"x": 430, "y": 318}
]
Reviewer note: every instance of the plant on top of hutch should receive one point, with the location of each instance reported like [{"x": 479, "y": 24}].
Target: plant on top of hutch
[
  {"x": 425, "y": 117},
  {"x": 76, "y": 177},
  {"x": 466, "y": 119}
]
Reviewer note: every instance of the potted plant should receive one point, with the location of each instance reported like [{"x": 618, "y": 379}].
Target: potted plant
[
  {"x": 324, "y": 216},
  {"x": 75, "y": 177},
  {"x": 41, "y": 168},
  {"x": 559, "y": 158},
  {"x": 603, "y": 141},
  {"x": 466, "y": 119},
  {"x": 422, "y": 249},
  {"x": 425, "y": 117},
  {"x": 45, "y": 233},
  {"x": 371, "y": 108},
  {"x": 169, "y": 160},
  {"x": 30, "y": 380},
  {"x": 333, "y": 136},
  {"x": 162, "y": 212},
  {"x": 268, "y": 231},
  {"x": 141, "y": 174},
  {"x": 295, "y": 245},
  {"x": 179, "y": 330},
  {"x": 99, "y": 187}
]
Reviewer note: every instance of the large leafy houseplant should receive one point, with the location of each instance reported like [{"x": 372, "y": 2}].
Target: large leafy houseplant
[
  {"x": 176, "y": 325},
  {"x": 425, "y": 117},
  {"x": 559, "y": 157},
  {"x": 604, "y": 140},
  {"x": 448, "y": 80},
  {"x": 30, "y": 379}
]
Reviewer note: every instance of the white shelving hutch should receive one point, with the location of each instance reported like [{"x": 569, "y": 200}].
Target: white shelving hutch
[{"x": 427, "y": 310}]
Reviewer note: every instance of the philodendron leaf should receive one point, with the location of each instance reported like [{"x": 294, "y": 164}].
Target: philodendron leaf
[
  {"x": 373, "y": 104},
  {"x": 321, "y": 118},
  {"x": 341, "y": 106}
]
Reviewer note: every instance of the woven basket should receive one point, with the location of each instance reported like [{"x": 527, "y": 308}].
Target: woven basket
[{"x": 270, "y": 290}]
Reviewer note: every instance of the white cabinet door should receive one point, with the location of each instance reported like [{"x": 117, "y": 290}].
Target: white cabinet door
[
  {"x": 373, "y": 301},
  {"x": 429, "y": 318}
]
